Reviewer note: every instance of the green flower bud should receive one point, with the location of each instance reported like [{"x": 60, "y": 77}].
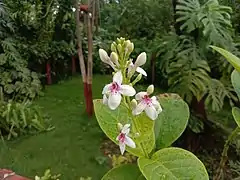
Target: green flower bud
[
  {"x": 138, "y": 78},
  {"x": 150, "y": 89},
  {"x": 120, "y": 126},
  {"x": 134, "y": 103},
  {"x": 114, "y": 58},
  {"x": 113, "y": 47},
  {"x": 126, "y": 43},
  {"x": 130, "y": 47},
  {"x": 119, "y": 48},
  {"x": 118, "y": 41}
]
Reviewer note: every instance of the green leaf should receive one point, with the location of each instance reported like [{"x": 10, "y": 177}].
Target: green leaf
[
  {"x": 173, "y": 164},
  {"x": 172, "y": 121},
  {"x": 235, "y": 78},
  {"x": 236, "y": 115},
  {"x": 124, "y": 172},
  {"x": 108, "y": 120},
  {"x": 234, "y": 60}
]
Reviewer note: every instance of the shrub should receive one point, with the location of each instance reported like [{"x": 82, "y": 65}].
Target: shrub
[{"x": 19, "y": 118}]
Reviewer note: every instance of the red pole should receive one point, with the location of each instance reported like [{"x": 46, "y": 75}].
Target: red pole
[
  {"x": 73, "y": 65},
  {"x": 48, "y": 72}
]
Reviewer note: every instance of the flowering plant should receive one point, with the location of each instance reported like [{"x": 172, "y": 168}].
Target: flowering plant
[{"x": 142, "y": 124}]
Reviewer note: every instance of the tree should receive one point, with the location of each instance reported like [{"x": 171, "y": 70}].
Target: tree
[{"x": 87, "y": 15}]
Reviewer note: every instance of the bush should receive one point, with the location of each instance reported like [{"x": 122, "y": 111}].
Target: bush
[
  {"x": 19, "y": 118},
  {"x": 15, "y": 78}
]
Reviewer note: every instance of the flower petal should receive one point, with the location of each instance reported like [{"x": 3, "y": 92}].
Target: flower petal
[
  {"x": 140, "y": 107},
  {"x": 118, "y": 77},
  {"x": 141, "y": 71},
  {"x": 159, "y": 109},
  {"x": 122, "y": 147},
  {"x": 104, "y": 56},
  {"x": 141, "y": 59},
  {"x": 140, "y": 95},
  {"x": 127, "y": 90},
  {"x": 125, "y": 129},
  {"x": 129, "y": 142},
  {"x": 106, "y": 89},
  {"x": 111, "y": 64},
  {"x": 156, "y": 104},
  {"x": 105, "y": 99},
  {"x": 130, "y": 68},
  {"x": 151, "y": 112},
  {"x": 114, "y": 100},
  {"x": 154, "y": 99}
]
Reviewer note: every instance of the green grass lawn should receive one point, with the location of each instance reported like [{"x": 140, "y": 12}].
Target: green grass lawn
[{"x": 72, "y": 147}]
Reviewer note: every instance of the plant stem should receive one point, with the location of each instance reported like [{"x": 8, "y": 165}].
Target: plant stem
[
  {"x": 135, "y": 123},
  {"x": 224, "y": 156}
]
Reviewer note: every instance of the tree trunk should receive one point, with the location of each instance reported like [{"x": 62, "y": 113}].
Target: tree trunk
[
  {"x": 97, "y": 15},
  {"x": 199, "y": 107},
  {"x": 90, "y": 63},
  {"x": 48, "y": 72},
  {"x": 80, "y": 54},
  {"x": 73, "y": 65}
]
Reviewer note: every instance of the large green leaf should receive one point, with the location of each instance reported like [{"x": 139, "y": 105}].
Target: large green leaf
[
  {"x": 124, "y": 172},
  {"x": 172, "y": 121},
  {"x": 235, "y": 78},
  {"x": 108, "y": 120},
  {"x": 173, "y": 164},
  {"x": 234, "y": 60},
  {"x": 236, "y": 115}
]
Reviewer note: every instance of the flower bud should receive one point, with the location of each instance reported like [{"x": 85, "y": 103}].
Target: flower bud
[
  {"x": 134, "y": 103},
  {"x": 37, "y": 178},
  {"x": 137, "y": 134},
  {"x": 113, "y": 47},
  {"x": 118, "y": 41},
  {"x": 141, "y": 59},
  {"x": 138, "y": 78},
  {"x": 119, "y": 48},
  {"x": 114, "y": 58},
  {"x": 150, "y": 89},
  {"x": 120, "y": 126},
  {"x": 130, "y": 47},
  {"x": 103, "y": 55},
  {"x": 126, "y": 43}
]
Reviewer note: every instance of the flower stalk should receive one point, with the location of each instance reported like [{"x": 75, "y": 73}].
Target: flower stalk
[{"x": 121, "y": 89}]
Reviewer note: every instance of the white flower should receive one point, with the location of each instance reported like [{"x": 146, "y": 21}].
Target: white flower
[
  {"x": 150, "y": 105},
  {"x": 124, "y": 140},
  {"x": 105, "y": 58},
  {"x": 112, "y": 92},
  {"x": 141, "y": 60}
]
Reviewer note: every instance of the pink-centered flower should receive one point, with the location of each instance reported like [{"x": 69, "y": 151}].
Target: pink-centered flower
[
  {"x": 112, "y": 92},
  {"x": 124, "y": 139},
  {"x": 150, "y": 105}
]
